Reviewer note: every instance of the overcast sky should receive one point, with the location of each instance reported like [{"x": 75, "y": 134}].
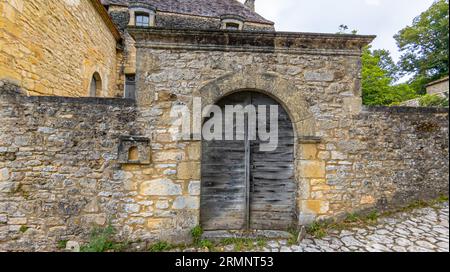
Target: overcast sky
[{"x": 383, "y": 18}]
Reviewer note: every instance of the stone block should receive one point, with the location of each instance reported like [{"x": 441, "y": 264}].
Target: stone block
[
  {"x": 158, "y": 223},
  {"x": 162, "y": 205},
  {"x": 308, "y": 151},
  {"x": 17, "y": 221},
  {"x": 73, "y": 246},
  {"x": 189, "y": 170},
  {"x": 367, "y": 199},
  {"x": 131, "y": 208},
  {"x": 169, "y": 156},
  {"x": 194, "y": 188},
  {"x": 312, "y": 169},
  {"x": 186, "y": 202},
  {"x": 323, "y": 76},
  {"x": 160, "y": 187},
  {"x": 194, "y": 151},
  {"x": 4, "y": 174},
  {"x": 316, "y": 206}
]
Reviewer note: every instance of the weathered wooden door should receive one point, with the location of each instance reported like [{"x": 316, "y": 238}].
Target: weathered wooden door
[{"x": 244, "y": 187}]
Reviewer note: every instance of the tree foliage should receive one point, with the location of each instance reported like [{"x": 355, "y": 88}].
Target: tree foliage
[
  {"x": 425, "y": 46},
  {"x": 378, "y": 77}
]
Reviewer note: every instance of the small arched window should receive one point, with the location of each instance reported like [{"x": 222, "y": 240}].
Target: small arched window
[{"x": 95, "y": 88}]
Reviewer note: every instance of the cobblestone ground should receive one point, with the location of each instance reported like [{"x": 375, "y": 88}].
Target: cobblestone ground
[{"x": 422, "y": 230}]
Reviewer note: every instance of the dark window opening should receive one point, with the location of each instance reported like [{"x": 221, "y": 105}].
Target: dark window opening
[
  {"x": 142, "y": 19},
  {"x": 130, "y": 87},
  {"x": 232, "y": 26},
  {"x": 133, "y": 154}
]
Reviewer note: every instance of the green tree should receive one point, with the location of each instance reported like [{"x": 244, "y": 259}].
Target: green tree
[
  {"x": 387, "y": 63},
  {"x": 425, "y": 46},
  {"x": 377, "y": 80}
]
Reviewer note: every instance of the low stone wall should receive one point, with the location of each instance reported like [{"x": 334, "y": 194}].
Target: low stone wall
[
  {"x": 59, "y": 175},
  {"x": 382, "y": 158},
  {"x": 406, "y": 156}
]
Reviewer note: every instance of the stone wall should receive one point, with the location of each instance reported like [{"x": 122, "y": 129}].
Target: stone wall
[
  {"x": 55, "y": 47},
  {"x": 59, "y": 175}
]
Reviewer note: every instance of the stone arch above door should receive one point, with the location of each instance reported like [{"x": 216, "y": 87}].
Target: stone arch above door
[{"x": 272, "y": 84}]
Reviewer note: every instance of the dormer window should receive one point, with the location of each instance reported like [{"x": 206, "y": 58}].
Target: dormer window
[
  {"x": 142, "y": 19},
  {"x": 232, "y": 22},
  {"x": 232, "y": 26},
  {"x": 142, "y": 16}
]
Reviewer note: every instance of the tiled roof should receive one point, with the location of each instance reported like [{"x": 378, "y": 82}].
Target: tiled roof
[{"x": 206, "y": 8}]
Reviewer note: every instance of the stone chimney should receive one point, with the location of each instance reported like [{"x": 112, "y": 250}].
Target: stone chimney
[{"x": 250, "y": 4}]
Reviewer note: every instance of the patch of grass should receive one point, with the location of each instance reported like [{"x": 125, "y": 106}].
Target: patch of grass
[
  {"x": 373, "y": 216},
  {"x": 160, "y": 247},
  {"x": 102, "y": 240},
  {"x": 240, "y": 244},
  {"x": 23, "y": 229},
  {"x": 318, "y": 230},
  {"x": 294, "y": 236},
  {"x": 62, "y": 244},
  {"x": 206, "y": 244},
  {"x": 261, "y": 243},
  {"x": 352, "y": 218},
  {"x": 196, "y": 234}
]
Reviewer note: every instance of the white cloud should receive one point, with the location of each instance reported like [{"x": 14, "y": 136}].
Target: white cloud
[
  {"x": 374, "y": 17},
  {"x": 373, "y": 2}
]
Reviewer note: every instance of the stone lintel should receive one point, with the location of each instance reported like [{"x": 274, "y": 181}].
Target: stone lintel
[
  {"x": 309, "y": 140},
  {"x": 248, "y": 41}
]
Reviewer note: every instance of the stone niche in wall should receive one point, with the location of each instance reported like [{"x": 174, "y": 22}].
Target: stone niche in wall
[{"x": 134, "y": 150}]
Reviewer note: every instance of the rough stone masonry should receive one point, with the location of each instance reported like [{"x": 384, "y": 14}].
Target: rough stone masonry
[{"x": 69, "y": 164}]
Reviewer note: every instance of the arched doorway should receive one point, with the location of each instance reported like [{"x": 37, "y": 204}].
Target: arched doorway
[{"x": 244, "y": 188}]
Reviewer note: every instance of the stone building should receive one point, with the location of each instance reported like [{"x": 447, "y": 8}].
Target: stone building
[
  {"x": 438, "y": 87},
  {"x": 60, "y": 48},
  {"x": 69, "y": 164},
  {"x": 194, "y": 14}
]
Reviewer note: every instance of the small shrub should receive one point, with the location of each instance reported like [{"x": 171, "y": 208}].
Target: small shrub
[
  {"x": 294, "y": 236},
  {"x": 352, "y": 218},
  {"x": 160, "y": 247},
  {"x": 433, "y": 101},
  {"x": 206, "y": 244},
  {"x": 62, "y": 244},
  {"x": 23, "y": 229},
  {"x": 317, "y": 230},
  {"x": 196, "y": 234},
  {"x": 261, "y": 243},
  {"x": 102, "y": 240},
  {"x": 373, "y": 216}
]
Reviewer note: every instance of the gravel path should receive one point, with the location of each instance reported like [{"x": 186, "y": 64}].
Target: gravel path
[{"x": 422, "y": 230}]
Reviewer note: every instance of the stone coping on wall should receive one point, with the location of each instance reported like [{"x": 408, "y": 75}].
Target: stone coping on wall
[
  {"x": 405, "y": 109},
  {"x": 252, "y": 41},
  {"x": 11, "y": 89}
]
